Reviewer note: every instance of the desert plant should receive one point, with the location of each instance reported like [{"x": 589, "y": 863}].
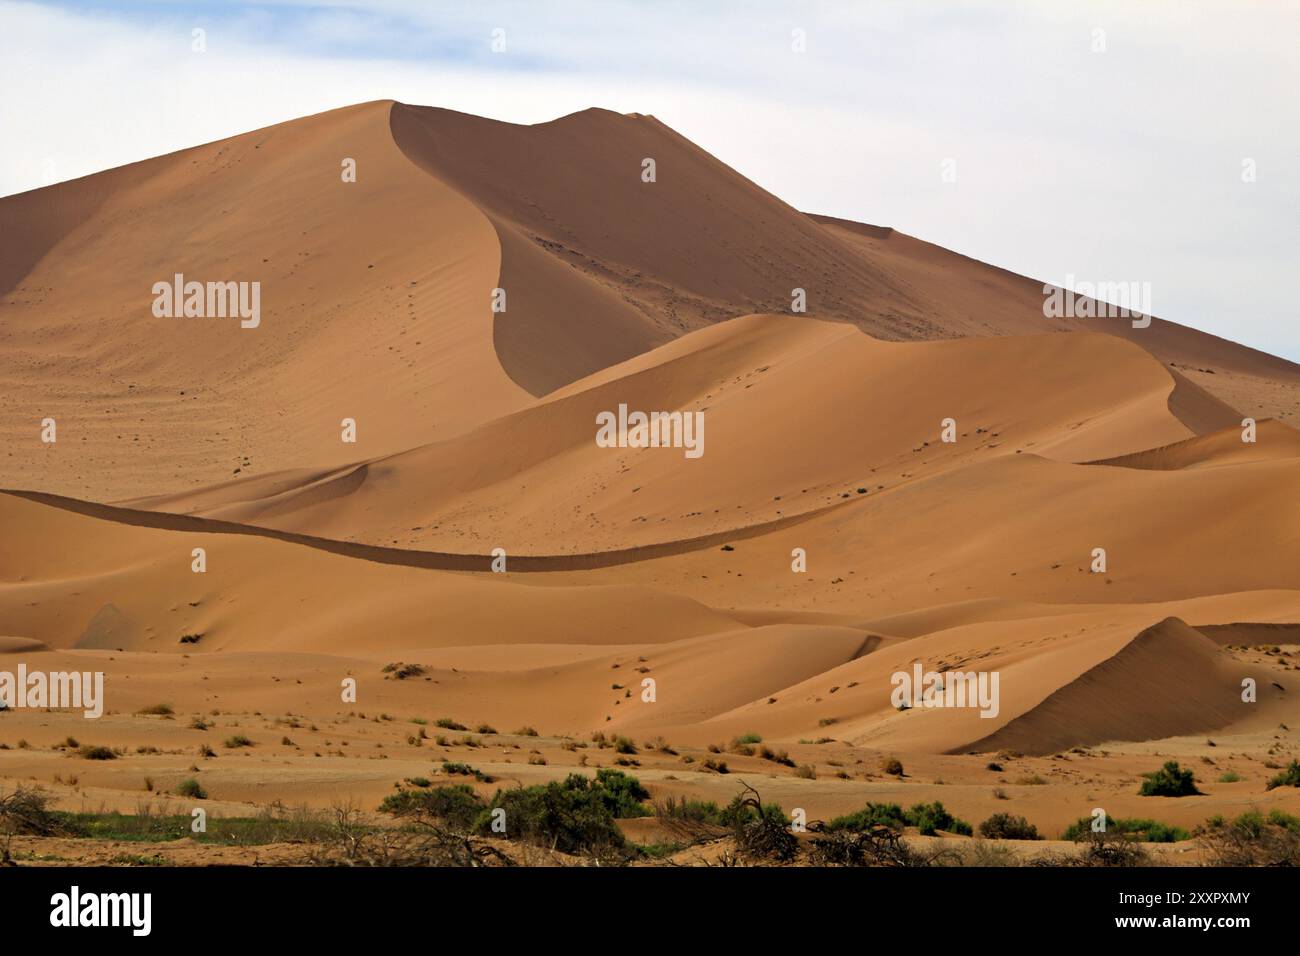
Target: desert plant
[
  {"x": 1170, "y": 780},
  {"x": 1004, "y": 826},
  {"x": 1290, "y": 777},
  {"x": 190, "y": 787}
]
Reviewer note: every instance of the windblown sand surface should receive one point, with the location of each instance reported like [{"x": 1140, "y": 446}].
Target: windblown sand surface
[{"x": 329, "y": 560}]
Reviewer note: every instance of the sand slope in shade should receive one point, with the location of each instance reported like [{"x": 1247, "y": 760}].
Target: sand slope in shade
[{"x": 1273, "y": 442}]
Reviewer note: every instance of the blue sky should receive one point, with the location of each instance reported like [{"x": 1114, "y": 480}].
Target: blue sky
[{"x": 1122, "y": 163}]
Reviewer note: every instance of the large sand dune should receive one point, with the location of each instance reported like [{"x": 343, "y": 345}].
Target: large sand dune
[{"x": 825, "y": 540}]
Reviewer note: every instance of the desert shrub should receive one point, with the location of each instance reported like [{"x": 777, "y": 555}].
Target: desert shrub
[
  {"x": 872, "y": 815},
  {"x": 403, "y": 671},
  {"x": 526, "y": 732},
  {"x": 929, "y": 817},
  {"x": 190, "y": 787},
  {"x": 1108, "y": 849},
  {"x": 892, "y": 766},
  {"x": 776, "y": 756},
  {"x": 623, "y": 745},
  {"x": 877, "y": 846},
  {"x": 446, "y": 723},
  {"x": 90, "y": 752},
  {"x": 750, "y": 738},
  {"x": 458, "y": 805},
  {"x": 26, "y": 810},
  {"x": 1170, "y": 780},
  {"x": 1146, "y": 831},
  {"x": 621, "y": 793},
  {"x": 1252, "y": 840},
  {"x": 573, "y": 815},
  {"x": 157, "y": 710},
  {"x": 926, "y": 817},
  {"x": 761, "y": 830},
  {"x": 455, "y": 768},
  {"x": 1004, "y": 826},
  {"x": 690, "y": 811},
  {"x": 1290, "y": 777}
]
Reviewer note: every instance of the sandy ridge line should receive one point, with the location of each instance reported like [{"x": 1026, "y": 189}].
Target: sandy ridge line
[{"x": 433, "y": 560}]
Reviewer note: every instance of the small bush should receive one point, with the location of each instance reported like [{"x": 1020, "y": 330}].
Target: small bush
[
  {"x": 1004, "y": 826},
  {"x": 1145, "y": 831},
  {"x": 892, "y": 766},
  {"x": 191, "y": 788},
  {"x": 89, "y": 752},
  {"x": 1290, "y": 777},
  {"x": 465, "y": 770},
  {"x": 1170, "y": 780},
  {"x": 237, "y": 740},
  {"x": 157, "y": 710},
  {"x": 929, "y": 817},
  {"x": 446, "y": 723}
]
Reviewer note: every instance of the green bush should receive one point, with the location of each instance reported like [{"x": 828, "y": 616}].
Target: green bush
[
  {"x": 465, "y": 770},
  {"x": 926, "y": 817},
  {"x": 457, "y": 805},
  {"x": 873, "y": 814},
  {"x": 691, "y": 811},
  {"x": 1290, "y": 777},
  {"x": 1170, "y": 780},
  {"x": 929, "y": 817},
  {"x": 1147, "y": 831},
  {"x": 572, "y": 815},
  {"x": 1003, "y": 826}
]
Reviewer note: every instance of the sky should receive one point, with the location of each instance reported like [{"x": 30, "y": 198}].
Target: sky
[{"x": 1075, "y": 142}]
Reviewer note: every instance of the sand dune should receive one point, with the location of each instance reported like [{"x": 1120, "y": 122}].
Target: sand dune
[
  {"x": 837, "y": 403},
  {"x": 1273, "y": 442},
  {"x": 826, "y": 539},
  {"x": 1169, "y": 681},
  {"x": 162, "y": 404}
]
